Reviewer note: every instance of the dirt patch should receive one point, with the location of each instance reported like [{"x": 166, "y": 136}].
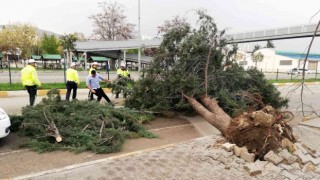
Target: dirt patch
[{"x": 15, "y": 162}]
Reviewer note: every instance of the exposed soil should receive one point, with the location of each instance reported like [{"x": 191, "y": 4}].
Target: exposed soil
[{"x": 15, "y": 162}]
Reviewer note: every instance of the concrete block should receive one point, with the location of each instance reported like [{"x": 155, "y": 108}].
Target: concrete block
[
  {"x": 272, "y": 157},
  {"x": 228, "y": 146},
  {"x": 249, "y": 157}
]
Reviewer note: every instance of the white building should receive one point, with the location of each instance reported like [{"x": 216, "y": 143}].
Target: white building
[{"x": 278, "y": 60}]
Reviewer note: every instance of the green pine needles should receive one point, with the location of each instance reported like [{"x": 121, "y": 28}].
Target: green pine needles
[{"x": 83, "y": 125}]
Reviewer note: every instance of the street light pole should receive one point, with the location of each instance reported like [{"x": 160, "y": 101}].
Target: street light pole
[
  {"x": 139, "y": 38},
  {"x": 313, "y": 16}
]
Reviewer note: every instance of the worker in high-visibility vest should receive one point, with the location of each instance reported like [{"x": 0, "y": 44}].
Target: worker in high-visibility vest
[
  {"x": 94, "y": 66},
  {"x": 122, "y": 72},
  {"x": 30, "y": 81},
  {"x": 72, "y": 81}
]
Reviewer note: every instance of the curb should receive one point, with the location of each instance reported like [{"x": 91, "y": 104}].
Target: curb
[
  {"x": 290, "y": 84},
  {"x": 67, "y": 168},
  {"x": 22, "y": 93}
]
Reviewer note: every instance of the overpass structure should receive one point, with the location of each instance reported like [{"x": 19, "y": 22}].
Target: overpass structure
[
  {"x": 297, "y": 31},
  {"x": 117, "y": 49}
]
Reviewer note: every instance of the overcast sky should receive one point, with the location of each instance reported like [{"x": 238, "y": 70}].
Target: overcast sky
[{"x": 67, "y": 16}]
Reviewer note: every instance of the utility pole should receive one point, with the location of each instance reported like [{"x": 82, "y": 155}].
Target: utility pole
[
  {"x": 139, "y": 38},
  {"x": 313, "y": 16}
]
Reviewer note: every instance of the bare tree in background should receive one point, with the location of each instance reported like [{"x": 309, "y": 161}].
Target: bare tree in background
[
  {"x": 111, "y": 23},
  {"x": 176, "y": 22}
]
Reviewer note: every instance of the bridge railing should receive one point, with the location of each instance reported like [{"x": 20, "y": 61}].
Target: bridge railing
[{"x": 282, "y": 31}]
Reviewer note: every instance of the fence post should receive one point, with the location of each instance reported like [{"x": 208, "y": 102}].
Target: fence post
[
  {"x": 277, "y": 74},
  {"x": 316, "y": 73}
]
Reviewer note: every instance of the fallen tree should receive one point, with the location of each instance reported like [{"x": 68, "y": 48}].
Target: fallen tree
[
  {"x": 55, "y": 124},
  {"x": 194, "y": 65}
]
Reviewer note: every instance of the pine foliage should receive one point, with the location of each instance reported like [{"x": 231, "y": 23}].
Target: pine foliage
[
  {"x": 83, "y": 125},
  {"x": 180, "y": 67}
]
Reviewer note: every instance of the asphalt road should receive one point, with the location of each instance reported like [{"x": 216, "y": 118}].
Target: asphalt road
[{"x": 57, "y": 76}]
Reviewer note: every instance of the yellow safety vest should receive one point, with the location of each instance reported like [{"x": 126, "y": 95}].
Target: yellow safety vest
[
  {"x": 123, "y": 73},
  {"x": 91, "y": 70},
  {"x": 29, "y": 76},
  {"x": 72, "y": 75}
]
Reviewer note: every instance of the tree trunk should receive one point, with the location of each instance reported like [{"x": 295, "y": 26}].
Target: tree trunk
[{"x": 211, "y": 112}]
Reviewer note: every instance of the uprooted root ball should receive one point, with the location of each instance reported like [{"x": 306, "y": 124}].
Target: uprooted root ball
[{"x": 260, "y": 131}]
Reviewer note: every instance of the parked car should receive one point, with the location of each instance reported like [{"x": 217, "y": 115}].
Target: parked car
[
  {"x": 298, "y": 71},
  {"x": 5, "y": 123}
]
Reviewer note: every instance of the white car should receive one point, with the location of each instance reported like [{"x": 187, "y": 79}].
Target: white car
[
  {"x": 298, "y": 71},
  {"x": 4, "y": 123}
]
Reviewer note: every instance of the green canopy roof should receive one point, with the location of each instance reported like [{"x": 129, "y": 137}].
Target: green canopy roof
[
  {"x": 98, "y": 58},
  {"x": 77, "y": 59},
  {"x": 1, "y": 55},
  {"x": 51, "y": 57},
  {"x": 36, "y": 57}
]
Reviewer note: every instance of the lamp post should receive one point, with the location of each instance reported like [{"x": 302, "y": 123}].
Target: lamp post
[
  {"x": 313, "y": 16},
  {"x": 139, "y": 38}
]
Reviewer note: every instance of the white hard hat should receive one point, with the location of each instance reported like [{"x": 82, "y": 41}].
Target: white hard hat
[
  {"x": 73, "y": 64},
  {"x": 31, "y": 61},
  {"x": 95, "y": 63},
  {"x": 123, "y": 64}
]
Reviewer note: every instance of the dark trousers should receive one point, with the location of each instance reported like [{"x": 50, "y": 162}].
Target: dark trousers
[
  {"x": 100, "y": 93},
  {"x": 32, "y": 90},
  {"x": 123, "y": 84},
  {"x": 90, "y": 96},
  {"x": 71, "y": 85}
]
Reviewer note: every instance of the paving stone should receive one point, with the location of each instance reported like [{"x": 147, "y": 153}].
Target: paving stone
[
  {"x": 237, "y": 150},
  {"x": 287, "y": 156},
  {"x": 249, "y": 157},
  {"x": 225, "y": 160},
  {"x": 286, "y": 167},
  {"x": 270, "y": 167},
  {"x": 303, "y": 157},
  {"x": 315, "y": 161},
  {"x": 234, "y": 165},
  {"x": 289, "y": 175},
  {"x": 287, "y": 144},
  {"x": 299, "y": 147},
  {"x": 309, "y": 167},
  {"x": 228, "y": 146},
  {"x": 272, "y": 157},
  {"x": 253, "y": 169},
  {"x": 223, "y": 153}
]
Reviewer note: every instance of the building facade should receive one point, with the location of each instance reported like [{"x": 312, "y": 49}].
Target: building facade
[{"x": 281, "y": 61}]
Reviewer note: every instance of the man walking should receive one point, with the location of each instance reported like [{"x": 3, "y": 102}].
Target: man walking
[
  {"x": 30, "y": 81},
  {"x": 123, "y": 75},
  {"x": 93, "y": 84},
  {"x": 72, "y": 81},
  {"x": 94, "y": 66}
]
